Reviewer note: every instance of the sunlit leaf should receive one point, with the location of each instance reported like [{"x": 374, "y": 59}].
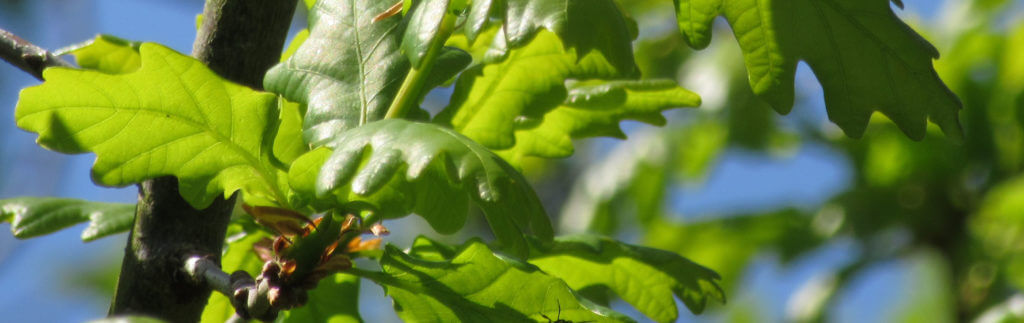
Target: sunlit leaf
[
  {"x": 595, "y": 109},
  {"x": 530, "y": 81},
  {"x": 171, "y": 117},
  {"x": 108, "y": 54}
]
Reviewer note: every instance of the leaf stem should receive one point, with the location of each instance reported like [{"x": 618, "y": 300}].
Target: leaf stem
[{"x": 410, "y": 92}]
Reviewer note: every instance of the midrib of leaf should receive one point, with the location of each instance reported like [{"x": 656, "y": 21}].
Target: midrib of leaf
[
  {"x": 772, "y": 68},
  {"x": 364, "y": 102}
]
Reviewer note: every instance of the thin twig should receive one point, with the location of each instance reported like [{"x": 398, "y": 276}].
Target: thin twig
[{"x": 27, "y": 56}]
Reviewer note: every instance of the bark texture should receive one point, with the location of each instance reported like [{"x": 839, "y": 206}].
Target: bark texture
[{"x": 240, "y": 40}]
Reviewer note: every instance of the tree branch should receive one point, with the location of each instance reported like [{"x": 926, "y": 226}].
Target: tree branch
[
  {"x": 240, "y": 40},
  {"x": 27, "y": 56}
]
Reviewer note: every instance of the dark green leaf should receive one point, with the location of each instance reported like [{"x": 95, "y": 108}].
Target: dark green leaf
[
  {"x": 583, "y": 25},
  {"x": 347, "y": 71},
  {"x": 424, "y": 26},
  {"x": 35, "y": 216},
  {"x": 477, "y": 285},
  {"x": 644, "y": 277},
  {"x": 865, "y": 57},
  {"x": 396, "y": 167}
]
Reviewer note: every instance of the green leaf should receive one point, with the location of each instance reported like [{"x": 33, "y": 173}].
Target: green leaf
[
  {"x": 309, "y": 3},
  {"x": 595, "y": 109},
  {"x": 171, "y": 117},
  {"x": 644, "y": 277},
  {"x": 787, "y": 232},
  {"x": 530, "y": 81},
  {"x": 295, "y": 44},
  {"x": 109, "y": 54},
  {"x": 35, "y": 216},
  {"x": 288, "y": 143},
  {"x": 396, "y": 167},
  {"x": 583, "y": 25},
  {"x": 335, "y": 300},
  {"x": 477, "y": 285},
  {"x": 347, "y": 71},
  {"x": 423, "y": 27},
  {"x": 865, "y": 57}
]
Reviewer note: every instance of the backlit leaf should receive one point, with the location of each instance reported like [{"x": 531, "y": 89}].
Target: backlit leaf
[
  {"x": 171, "y": 117},
  {"x": 477, "y": 285},
  {"x": 645, "y": 277},
  {"x": 865, "y": 57},
  {"x": 595, "y": 109}
]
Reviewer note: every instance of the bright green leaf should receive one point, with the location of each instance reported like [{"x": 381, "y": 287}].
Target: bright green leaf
[
  {"x": 109, "y": 54},
  {"x": 644, "y": 277},
  {"x": 347, "y": 71},
  {"x": 294, "y": 45},
  {"x": 595, "y": 109},
  {"x": 399, "y": 167},
  {"x": 865, "y": 57},
  {"x": 171, "y": 117},
  {"x": 335, "y": 300},
  {"x": 530, "y": 81},
  {"x": 288, "y": 143},
  {"x": 477, "y": 285},
  {"x": 35, "y": 216}
]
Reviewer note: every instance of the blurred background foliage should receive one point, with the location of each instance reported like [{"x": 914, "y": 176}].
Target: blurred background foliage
[{"x": 803, "y": 224}]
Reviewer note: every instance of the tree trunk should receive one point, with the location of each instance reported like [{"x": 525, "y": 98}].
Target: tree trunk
[{"x": 240, "y": 40}]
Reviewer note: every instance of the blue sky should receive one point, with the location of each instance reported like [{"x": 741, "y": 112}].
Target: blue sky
[{"x": 33, "y": 272}]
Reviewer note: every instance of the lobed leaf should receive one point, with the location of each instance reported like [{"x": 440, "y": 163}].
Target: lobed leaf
[
  {"x": 530, "y": 81},
  {"x": 173, "y": 116},
  {"x": 477, "y": 285},
  {"x": 586, "y": 26},
  {"x": 108, "y": 54},
  {"x": 36, "y": 216},
  {"x": 644, "y": 277},
  {"x": 593, "y": 109},
  {"x": 865, "y": 57},
  {"x": 396, "y": 167},
  {"x": 348, "y": 69}
]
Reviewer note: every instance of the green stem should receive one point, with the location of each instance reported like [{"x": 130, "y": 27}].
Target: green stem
[{"x": 410, "y": 92}]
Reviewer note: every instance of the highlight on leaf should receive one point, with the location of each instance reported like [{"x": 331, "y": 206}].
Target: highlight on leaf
[
  {"x": 396, "y": 167},
  {"x": 172, "y": 116}
]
